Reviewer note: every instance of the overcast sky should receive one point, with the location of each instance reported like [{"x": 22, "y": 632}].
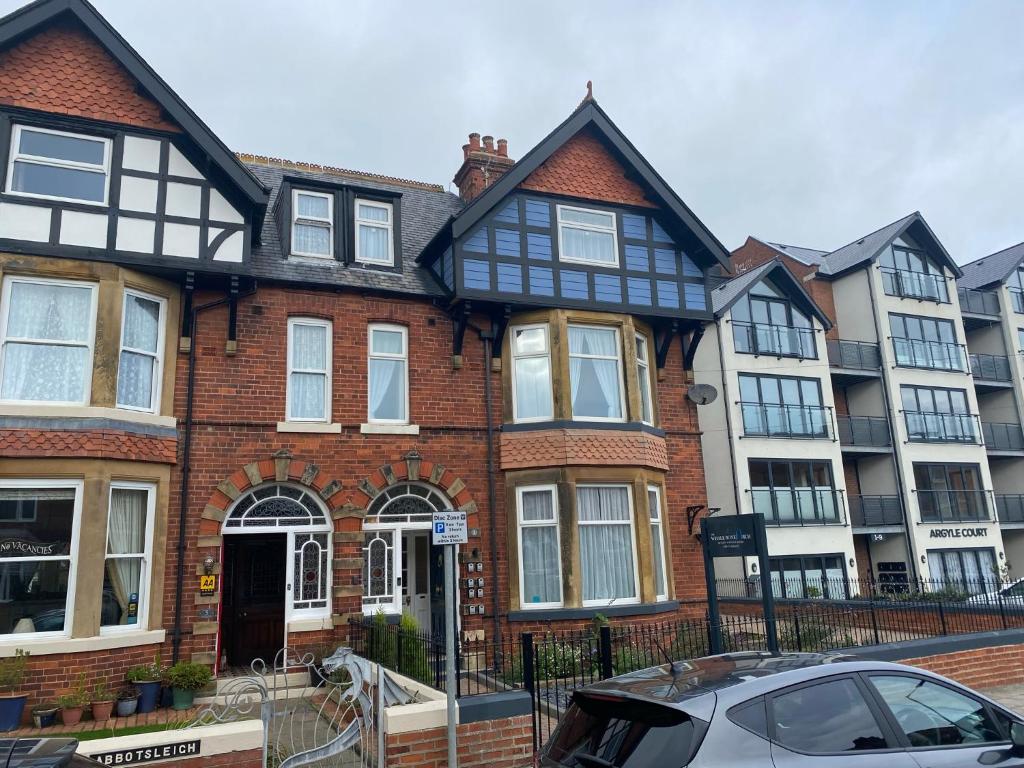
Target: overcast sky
[{"x": 807, "y": 123}]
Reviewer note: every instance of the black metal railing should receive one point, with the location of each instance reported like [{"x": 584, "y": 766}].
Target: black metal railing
[
  {"x": 863, "y": 431},
  {"x": 874, "y": 511},
  {"x": 934, "y": 355},
  {"x": 1017, "y": 300},
  {"x": 909, "y": 284},
  {"x": 949, "y": 506},
  {"x": 794, "y": 421},
  {"x": 933, "y": 427},
  {"x": 799, "y": 506},
  {"x": 978, "y": 302},
  {"x": 859, "y": 355},
  {"x": 777, "y": 340},
  {"x": 1002, "y": 437},
  {"x": 1010, "y": 507},
  {"x": 990, "y": 367},
  {"x": 810, "y": 589}
]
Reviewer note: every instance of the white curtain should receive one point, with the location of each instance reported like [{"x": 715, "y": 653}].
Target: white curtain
[
  {"x": 140, "y": 332},
  {"x": 387, "y": 389},
  {"x": 542, "y": 563},
  {"x": 126, "y": 535},
  {"x": 935, "y": 569},
  {"x": 373, "y": 243},
  {"x": 660, "y": 588},
  {"x": 50, "y": 372},
  {"x": 972, "y": 576},
  {"x": 587, "y": 245},
  {"x": 594, "y": 380},
  {"x": 314, "y": 207},
  {"x": 533, "y": 388},
  {"x": 606, "y": 549},
  {"x": 312, "y": 238},
  {"x": 309, "y": 376}
]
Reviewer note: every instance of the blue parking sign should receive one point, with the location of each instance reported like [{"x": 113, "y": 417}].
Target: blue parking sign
[{"x": 438, "y": 527}]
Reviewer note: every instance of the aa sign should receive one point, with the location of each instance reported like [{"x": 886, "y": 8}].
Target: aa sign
[{"x": 207, "y": 585}]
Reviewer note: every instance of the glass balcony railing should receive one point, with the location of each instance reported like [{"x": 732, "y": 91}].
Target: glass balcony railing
[
  {"x": 954, "y": 506},
  {"x": 777, "y": 340},
  {"x": 908, "y": 284},
  {"x": 978, "y": 302},
  {"x": 873, "y": 511},
  {"x": 864, "y": 431},
  {"x": 936, "y": 355},
  {"x": 990, "y": 367},
  {"x": 931, "y": 427},
  {"x": 1010, "y": 507},
  {"x": 860, "y": 355},
  {"x": 1002, "y": 437},
  {"x": 795, "y": 421},
  {"x": 799, "y": 506}
]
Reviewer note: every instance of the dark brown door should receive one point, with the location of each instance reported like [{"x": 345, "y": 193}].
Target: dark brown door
[{"x": 254, "y": 597}]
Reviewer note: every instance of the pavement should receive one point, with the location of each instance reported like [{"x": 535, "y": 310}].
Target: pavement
[{"x": 1011, "y": 696}]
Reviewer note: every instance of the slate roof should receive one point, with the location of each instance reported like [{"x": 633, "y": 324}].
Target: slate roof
[
  {"x": 994, "y": 268},
  {"x": 809, "y": 256},
  {"x": 425, "y": 210},
  {"x": 724, "y": 295},
  {"x": 865, "y": 249},
  {"x": 727, "y": 294}
]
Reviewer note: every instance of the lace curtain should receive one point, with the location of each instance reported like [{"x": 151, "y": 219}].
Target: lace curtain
[
  {"x": 138, "y": 365},
  {"x": 308, "y": 391},
  {"x": 126, "y": 546},
  {"x": 587, "y": 245},
  {"x": 657, "y": 547},
  {"x": 594, "y": 380},
  {"x": 542, "y": 562},
  {"x": 606, "y": 548},
  {"x": 387, "y": 376},
  {"x": 373, "y": 239}
]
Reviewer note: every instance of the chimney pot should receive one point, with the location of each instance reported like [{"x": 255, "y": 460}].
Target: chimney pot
[
  {"x": 474, "y": 141},
  {"x": 489, "y": 144},
  {"x": 465, "y": 151},
  {"x": 502, "y": 147}
]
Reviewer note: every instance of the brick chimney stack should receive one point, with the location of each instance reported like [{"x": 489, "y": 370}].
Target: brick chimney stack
[{"x": 482, "y": 165}]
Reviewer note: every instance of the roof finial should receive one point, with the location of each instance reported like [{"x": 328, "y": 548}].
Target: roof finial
[{"x": 590, "y": 90}]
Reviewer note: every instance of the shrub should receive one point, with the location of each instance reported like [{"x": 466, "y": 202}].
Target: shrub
[
  {"x": 77, "y": 697},
  {"x": 188, "y": 676},
  {"x": 102, "y": 693},
  {"x": 146, "y": 673},
  {"x": 555, "y": 659},
  {"x": 12, "y": 671},
  {"x": 411, "y": 653}
]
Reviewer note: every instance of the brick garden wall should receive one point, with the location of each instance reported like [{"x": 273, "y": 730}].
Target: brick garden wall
[
  {"x": 504, "y": 743},
  {"x": 977, "y": 668}
]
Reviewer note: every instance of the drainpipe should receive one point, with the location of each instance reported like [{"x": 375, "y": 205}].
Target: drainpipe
[
  {"x": 186, "y": 455},
  {"x": 487, "y": 336}
]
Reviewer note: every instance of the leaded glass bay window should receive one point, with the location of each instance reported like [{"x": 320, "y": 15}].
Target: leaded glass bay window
[{"x": 595, "y": 373}]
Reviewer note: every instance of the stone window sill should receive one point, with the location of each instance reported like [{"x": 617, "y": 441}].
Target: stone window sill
[
  {"x": 45, "y": 646},
  {"x": 389, "y": 429},
  {"x": 309, "y": 427},
  {"x": 562, "y": 614}
]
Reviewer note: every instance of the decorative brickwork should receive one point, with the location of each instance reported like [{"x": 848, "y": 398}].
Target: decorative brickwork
[
  {"x": 64, "y": 69},
  {"x": 582, "y": 447},
  {"x": 113, "y": 444}
]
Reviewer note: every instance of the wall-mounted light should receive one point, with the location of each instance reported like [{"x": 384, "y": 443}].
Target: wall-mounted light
[
  {"x": 923, "y": 559},
  {"x": 853, "y": 562},
  {"x": 753, "y": 567},
  {"x": 1002, "y": 555},
  {"x": 208, "y": 564}
]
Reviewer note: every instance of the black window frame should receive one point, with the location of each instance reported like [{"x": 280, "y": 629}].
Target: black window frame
[
  {"x": 946, "y": 581},
  {"x": 948, "y": 468},
  {"x": 938, "y": 322},
  {"x": 759, "y": 378},
  {"x": 892, "y": 280},
  {"x": 804, "y": 559},
  {"x": 965, "y": 427},
  {"x": 805, "y": 332},
  {"x": 772, "y": 488}
]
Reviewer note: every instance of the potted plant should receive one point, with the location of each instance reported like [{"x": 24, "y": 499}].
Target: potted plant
[
  {"x": 127, "y": 701},
  {"x": 185, "y": 678},
  {"x": 102, "y": 702},
  {"x": 44, "y": 715},
  {"x": 146, "y": 678},
  {"x": 12, "y": 702},
  {"x": 73, "y": 704}
]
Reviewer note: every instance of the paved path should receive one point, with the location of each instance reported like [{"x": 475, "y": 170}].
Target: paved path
[{"x": 1011, "y": 696}]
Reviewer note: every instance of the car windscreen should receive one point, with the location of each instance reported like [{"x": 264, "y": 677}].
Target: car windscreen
[{"x": 599, "y": 731}]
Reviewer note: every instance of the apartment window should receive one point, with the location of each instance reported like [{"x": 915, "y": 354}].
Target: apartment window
[
  {"x": 783, "y": 406},
  {"x": 938, "y": 415},
  {"x": 374, "y": 233},
  {"x": 58, "y": 166},
  {"x": 587, "y": 236},
  {"x": 765, "y": 322},
  {"x": 127, "y": 567},
  {"x": 657, "y": 542},
  {"x": 606, "y": 545},
  {"x": 388, "y": 375},
  {"x": 794, "y": 492},
  {"x": 949, "y": 493},
  {"x": 531, "y": 372},
  {"x": 968, "y": 570},
  {"x": 643, "y": 375},
  {"x": 1014, "y": 285},
  {"x": 47, "y": 331},
  {"x": 37, "y": 571},
  {"x": 142, "y": 342},
  {"x": 801, "y": 576},
  {"x": 540, "y": 561},
  {"x": 309, "y": 369},
  {"x": 595, "y": 373},
  {"x": 925, "y": 342},
  {"x": 312, "y": 224},
  {"x": 908, "y": 272}
]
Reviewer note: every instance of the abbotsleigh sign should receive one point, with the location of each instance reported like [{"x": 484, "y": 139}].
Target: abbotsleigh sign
[{"x": 141, "y": 755}]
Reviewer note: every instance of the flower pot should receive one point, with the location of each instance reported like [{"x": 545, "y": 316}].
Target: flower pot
[
  {"x": 127, "y": 707},
  {"x": 44, "y": 718},
  {"x": 71, "y": 715},
  {"x": 182, "y": 698},
  {"x": 11, "y": 710},
  {"x": 149, "y": 695},
  {"x": 101, "y": 710}
]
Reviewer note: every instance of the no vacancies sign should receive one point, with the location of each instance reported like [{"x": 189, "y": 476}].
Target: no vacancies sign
[
  {"x": 959, "y": 533},
  {"x": 149, "y": 754}
]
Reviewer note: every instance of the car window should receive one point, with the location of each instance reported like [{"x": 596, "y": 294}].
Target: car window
[
  {"x": 1014, "y": 590},
  {"x": 827, "y": 717},
  {"x": 932, "y": 715},
  {"x": 751, "y": 716}
]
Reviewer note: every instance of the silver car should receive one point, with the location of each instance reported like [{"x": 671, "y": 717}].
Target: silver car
[{"x": 794, "y": 710}]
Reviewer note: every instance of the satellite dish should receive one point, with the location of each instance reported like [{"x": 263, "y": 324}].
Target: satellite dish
[{"x": 702, "y": 394}]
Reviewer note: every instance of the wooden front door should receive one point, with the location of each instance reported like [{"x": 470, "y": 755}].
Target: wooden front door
[{"x": 254, "y": 597}]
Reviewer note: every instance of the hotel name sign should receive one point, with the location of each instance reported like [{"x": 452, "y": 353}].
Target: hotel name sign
[{"x": 959, "y": 533}]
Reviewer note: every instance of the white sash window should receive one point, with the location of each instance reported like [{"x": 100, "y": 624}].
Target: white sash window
[
  {"x": 312, "y": 224},
  {"x": 607, "y": 556},
  {"x": 540, "y": 560},
  {"x": 142, "y": 341},
  {"x": 531, "y": 370}
]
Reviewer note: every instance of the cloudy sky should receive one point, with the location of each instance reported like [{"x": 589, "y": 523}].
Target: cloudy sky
[{"x": 809, "y": 123}]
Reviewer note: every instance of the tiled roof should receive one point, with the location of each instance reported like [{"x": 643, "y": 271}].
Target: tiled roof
[
  {"x": 808, "y": 256},
  {"x": 994, "y": 268},
  {"x": 864, "y": 249}
]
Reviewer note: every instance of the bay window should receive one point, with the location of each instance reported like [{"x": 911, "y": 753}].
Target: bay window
[
  {"x": 540, "y": 564},
  {"x": 312, "y": 224},
  {"x": 586, "y": 236},
  {"x": 607, "y": 559},
  {"x": 374, "y": 233},
  {"x": 388, "y": 371},
  {"x": 47, "y": 333},
  {"x": 595, "y": 373},
  {"x": 531, "y": 373},
  {"x": 657, "y": 542},
  {"x": 309, "y": 369},
  {"x": 127, "y": 566},
  {"x": 643, "y": 375},
  {"x": 57, "y": 165},
  {"x": 142, "y": 338}
]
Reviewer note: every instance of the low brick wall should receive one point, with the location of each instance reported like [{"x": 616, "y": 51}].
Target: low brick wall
[
  {"x": 234, "y": 745},
  {"x": 502, "y": 743},
  {"x": 978, "y": 668}
]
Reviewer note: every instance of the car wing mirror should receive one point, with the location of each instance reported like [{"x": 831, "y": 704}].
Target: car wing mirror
[{"x": 1017, "y": 736}]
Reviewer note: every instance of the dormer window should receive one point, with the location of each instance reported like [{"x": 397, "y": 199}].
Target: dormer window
[
  {"x": 586, "y": 236},
  {"x": 58, "y": 166},
  {"x": 374, "y": 233},
  {"x": 312, "y": 224}
]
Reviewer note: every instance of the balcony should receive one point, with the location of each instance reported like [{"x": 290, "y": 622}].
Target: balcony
[
  {"x": 1003, "y": 438},
  {"x": 931, "y": 427},
  {"x": 1017, "y": 300},
  {"x": 977, "y": 302},
  {"x": 875, "y": 512},
  {"x": 774, "y": 340},
  {"x": 908, "y": 284},
  {"x": 854, "y": 360},
  {"x": 798, "y": 506},
  {"x": 934, "y": 355},
  {"x": 991, "y": 371},
  {"x": 954, "y": 506},
  {"x": 864, "y": 434},
  {"x": 801, "y": 422},
  {"x": 1010, "y": 509}
]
